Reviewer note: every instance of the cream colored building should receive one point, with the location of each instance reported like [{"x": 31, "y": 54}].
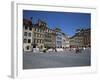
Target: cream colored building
[
  {"x": 38, "y": 37},
  {"x": 42, "y": 36},
  {"x": 38, "y": 34}
]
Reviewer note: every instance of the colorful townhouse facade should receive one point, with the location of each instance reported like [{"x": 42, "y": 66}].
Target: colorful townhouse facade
[
  {"x": 39, "y": 35},
  {"x": 81, "y": 38}
]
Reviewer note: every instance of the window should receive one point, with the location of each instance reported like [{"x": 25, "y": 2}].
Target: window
[
  {"x": 35, "y": 29},
  {"x": 25, "y": 33},
  {"x": 37, "y": 35},
  {"x": 30, "y": 28},
  {"x": 34, "y": 41},
  {"x": 29, "y": 34},
  {"x": 41, "y": 36},
  {"x": 26, "y": 27},
  {"x": 40, "y": 41},
  {"x": 34, "y": 34},
  {"x": 40, "y": 30},
  {"x": 29, "y": 40},
  {"x": 58, "y": 38},
  {"x": 25, "y": 40},
  {"x": 27, "y": 47},
  {"x": 37, "y": 41},
  {"x": 48, "y": 30}
]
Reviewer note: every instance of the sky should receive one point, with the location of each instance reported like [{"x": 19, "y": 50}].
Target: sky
[{"x": 68, "y": 22}]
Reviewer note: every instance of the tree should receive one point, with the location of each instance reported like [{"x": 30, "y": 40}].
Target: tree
[
  {"x": 57, "y": 29},
  {"x": 77, "y": 30}
]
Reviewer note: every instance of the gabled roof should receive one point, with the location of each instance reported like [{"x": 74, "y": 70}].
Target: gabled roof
[{"x": 27, "y": 22}]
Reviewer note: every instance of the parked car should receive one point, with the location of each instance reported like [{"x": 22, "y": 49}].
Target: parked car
[
  {"x": 44, "y": 50},
  {"x": 59, "y": 49},
  {"x": 36, "y": 50},
  {"x": 50, "y": 50}
]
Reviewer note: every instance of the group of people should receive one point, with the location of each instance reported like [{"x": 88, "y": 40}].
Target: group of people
[{"x": 77, "y": 49}]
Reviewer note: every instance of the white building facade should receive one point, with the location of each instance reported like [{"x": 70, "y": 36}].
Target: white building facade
[{"x": 65, "y": 41}]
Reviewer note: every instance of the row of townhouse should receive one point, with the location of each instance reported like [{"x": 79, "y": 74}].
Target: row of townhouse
[
  {"x": 81, "y": 38},
  {"x": 40, "y": 36}
]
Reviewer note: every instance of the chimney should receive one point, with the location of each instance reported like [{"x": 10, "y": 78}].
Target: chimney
[
  {"x": 39, "y": 22},
  {"x": 31, "y": 18}
]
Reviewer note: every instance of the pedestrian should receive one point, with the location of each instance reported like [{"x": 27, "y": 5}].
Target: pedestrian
[{"x": 77, "y": 50}]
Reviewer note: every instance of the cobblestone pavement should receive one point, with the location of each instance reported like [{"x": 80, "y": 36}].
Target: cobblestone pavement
[{"x": 56, "y": 59}]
